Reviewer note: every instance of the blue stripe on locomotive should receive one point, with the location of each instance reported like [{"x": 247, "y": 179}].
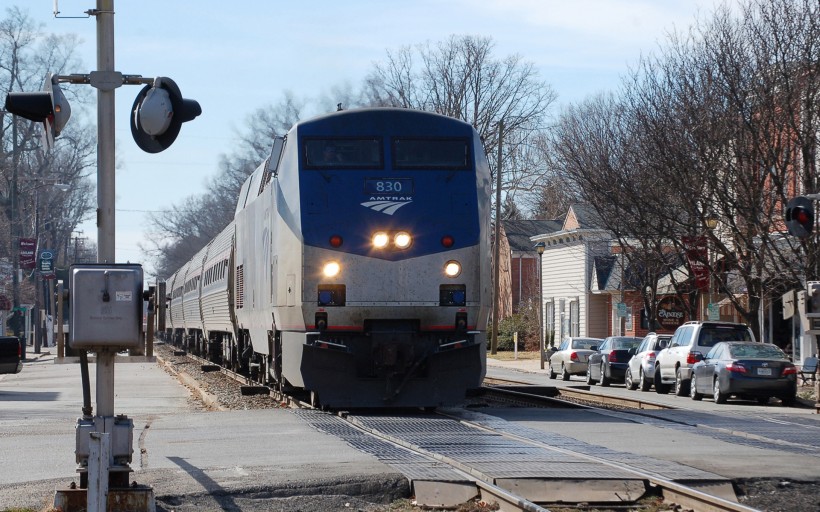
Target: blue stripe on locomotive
[{"x": 443, "y": 202}]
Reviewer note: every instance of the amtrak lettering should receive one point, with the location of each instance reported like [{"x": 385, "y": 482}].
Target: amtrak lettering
[
  {"x": 386, "y": 205},
  {"x": 391, "y": 198}
]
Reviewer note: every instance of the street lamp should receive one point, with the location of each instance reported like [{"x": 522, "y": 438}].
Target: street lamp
[
  {"x": 539, "y": 248},
  {"x": 711, "y": 221}
]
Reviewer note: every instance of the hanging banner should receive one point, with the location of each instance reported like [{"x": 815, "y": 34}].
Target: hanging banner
[
  {"x": 28, "y": 253},
  {"x": 697, "y": 254}
]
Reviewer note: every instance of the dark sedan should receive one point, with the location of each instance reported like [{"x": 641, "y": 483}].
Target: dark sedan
[
  {"x": 610, "y": 362},
  {"x": 745, "y": 369}
]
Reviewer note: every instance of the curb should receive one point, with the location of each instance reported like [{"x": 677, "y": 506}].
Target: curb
[{"x": 189, "y": 382}]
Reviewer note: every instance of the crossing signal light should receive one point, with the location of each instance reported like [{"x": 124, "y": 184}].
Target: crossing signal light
[
  {"x": 800, "y": 216},
  {"x": 49, "y": 107},
  {"x": 158, "y": 113}
]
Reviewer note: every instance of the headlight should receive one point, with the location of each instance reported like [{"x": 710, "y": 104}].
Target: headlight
[
  {"x": 380, "y": 240},
  {"x": 332, "y": 269},
  {"x": 402, "y": 240},
  {"x": 452, "y": 268}
]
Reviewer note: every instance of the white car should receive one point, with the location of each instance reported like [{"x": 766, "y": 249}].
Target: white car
[
  {"x": 641, "y": 370},
  {"x": 572, "y": 357},
  {"x": 692, "y": 341}
]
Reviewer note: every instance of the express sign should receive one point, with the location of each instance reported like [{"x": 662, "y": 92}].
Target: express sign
[{"x": 671, "y": 313}]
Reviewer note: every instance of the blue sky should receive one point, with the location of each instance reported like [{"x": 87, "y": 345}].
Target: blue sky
[{"x": 234, "y": 57}]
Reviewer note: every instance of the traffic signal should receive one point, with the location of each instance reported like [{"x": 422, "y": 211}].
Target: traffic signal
[
  {"x": 800, "y": 216},
  {"x": 49, "y": 107},
  {"x": 158, "y": 114}
]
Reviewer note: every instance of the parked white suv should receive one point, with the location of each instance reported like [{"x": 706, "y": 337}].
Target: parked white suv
[{"x": 691, "y": 341}]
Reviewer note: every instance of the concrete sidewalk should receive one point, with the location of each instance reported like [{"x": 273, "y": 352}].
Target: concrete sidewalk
[{"x": 179, "y": 449}]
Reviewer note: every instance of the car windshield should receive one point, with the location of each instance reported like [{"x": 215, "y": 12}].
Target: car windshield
[
  {"x": 758, "y": 350},
  {"x": 711, "y": 334},
  {"x": 626, "y": 343},
  {"x": 584, "y": 344}
]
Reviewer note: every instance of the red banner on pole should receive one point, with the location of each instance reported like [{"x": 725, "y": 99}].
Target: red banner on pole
[
  {"x": 697, "y": 254},
  {"x": 28, "y": 253}
]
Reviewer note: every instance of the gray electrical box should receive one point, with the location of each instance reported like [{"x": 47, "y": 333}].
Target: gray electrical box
[{"x": 106, "y": 305}]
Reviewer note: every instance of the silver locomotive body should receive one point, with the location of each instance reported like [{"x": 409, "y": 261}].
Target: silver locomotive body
[{"x": 311, "y": 298}]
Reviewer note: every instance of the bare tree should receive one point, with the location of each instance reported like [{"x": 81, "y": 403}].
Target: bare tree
[
  {"x": 54, "y": 191},
  {"x": 461, "y": 78},
  {"x": 723, "y": 121}
]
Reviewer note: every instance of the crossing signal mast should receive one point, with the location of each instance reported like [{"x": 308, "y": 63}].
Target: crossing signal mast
[{"x": 104, "y": 441}]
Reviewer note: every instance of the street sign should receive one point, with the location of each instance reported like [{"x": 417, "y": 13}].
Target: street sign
[
  {"x": 621, "y": 309},
  {"x": 28, "y": 253},
  {"x": 713, "y": 311},
  {"x": 46, "y": 261}
]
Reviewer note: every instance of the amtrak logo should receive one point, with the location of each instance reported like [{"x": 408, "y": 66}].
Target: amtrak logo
[{"x": 386, "y": 205}]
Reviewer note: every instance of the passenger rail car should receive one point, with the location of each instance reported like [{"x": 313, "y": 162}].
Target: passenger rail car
[{"x": 357, "y": 265}]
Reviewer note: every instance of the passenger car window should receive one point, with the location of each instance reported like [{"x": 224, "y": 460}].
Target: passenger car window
[
  {"x": 715, "y": 353},
  {"x": 643, "y": 346},
  {"x": 711, "y": 334},
  {"x": 674, "y": 341}
]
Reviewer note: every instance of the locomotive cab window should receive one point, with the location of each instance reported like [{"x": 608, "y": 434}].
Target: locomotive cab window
[
  {"x": 337, "y": 153},
  {"x": 431, "y": 153}
]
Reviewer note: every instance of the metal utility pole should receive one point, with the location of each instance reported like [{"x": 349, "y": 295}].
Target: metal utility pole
[
  {"x": 15, "y": 226},
  {"x": 106, "y": 83},
  {"x": 497, "y": 243}
]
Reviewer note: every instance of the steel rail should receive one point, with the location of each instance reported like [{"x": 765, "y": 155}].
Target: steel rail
[
  {"x": 482, "y": 481},
  {"x": 588, "y": 396},
  {"x": 672, "y": 491},
  {"x": 680, "y": 494}
]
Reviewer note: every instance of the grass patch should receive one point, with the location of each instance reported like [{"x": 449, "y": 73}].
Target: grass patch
[{"x": 509, "y": 355}]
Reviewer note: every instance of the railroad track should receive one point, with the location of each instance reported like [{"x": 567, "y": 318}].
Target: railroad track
[
  {"x": 486, "y": 489},
  {"x": 579, "y": 395}
]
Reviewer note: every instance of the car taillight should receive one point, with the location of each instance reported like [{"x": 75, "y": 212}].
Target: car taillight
[
  {"x": 613, "y": 357},
  {"x": 790, "y": 370},
  {"x": 573, "y": 356},
  {"x": 692, "y": 357},
  {"x": 736, "y": 368}
]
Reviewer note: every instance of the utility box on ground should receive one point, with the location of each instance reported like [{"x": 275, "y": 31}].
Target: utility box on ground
[{"x": 106, "y": 306}]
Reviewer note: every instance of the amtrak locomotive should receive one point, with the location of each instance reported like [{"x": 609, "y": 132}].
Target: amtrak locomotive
[{"x": 357, "y": 266}]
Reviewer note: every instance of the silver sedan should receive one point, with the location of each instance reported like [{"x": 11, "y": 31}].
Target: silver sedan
[{"x": 572, "y": 356}]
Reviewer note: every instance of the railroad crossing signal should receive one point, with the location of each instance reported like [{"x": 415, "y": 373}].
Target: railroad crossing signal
[
  {"x": 158, "y": 114},
  {"x": 48, "y": 106},
  {"x": 800, "y": 216}
]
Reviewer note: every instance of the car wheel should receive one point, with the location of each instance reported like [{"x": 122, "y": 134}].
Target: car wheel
[
  {"x": 564, "y": 373},
  {"x": 681, "y": 388},
  {"x": 660, "y": 387},
  {"x": 644, "y": 383},
  {"x": 693, "y": 389},
  {"x": 590, "y": 380},
  {"x": 552, "y": 373},
  {"x": 629, "y": 381},
  {"x": 720, "y": 396},
  {"x": 605, "y": 381},
  {"x": 762, "y": 400}
]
